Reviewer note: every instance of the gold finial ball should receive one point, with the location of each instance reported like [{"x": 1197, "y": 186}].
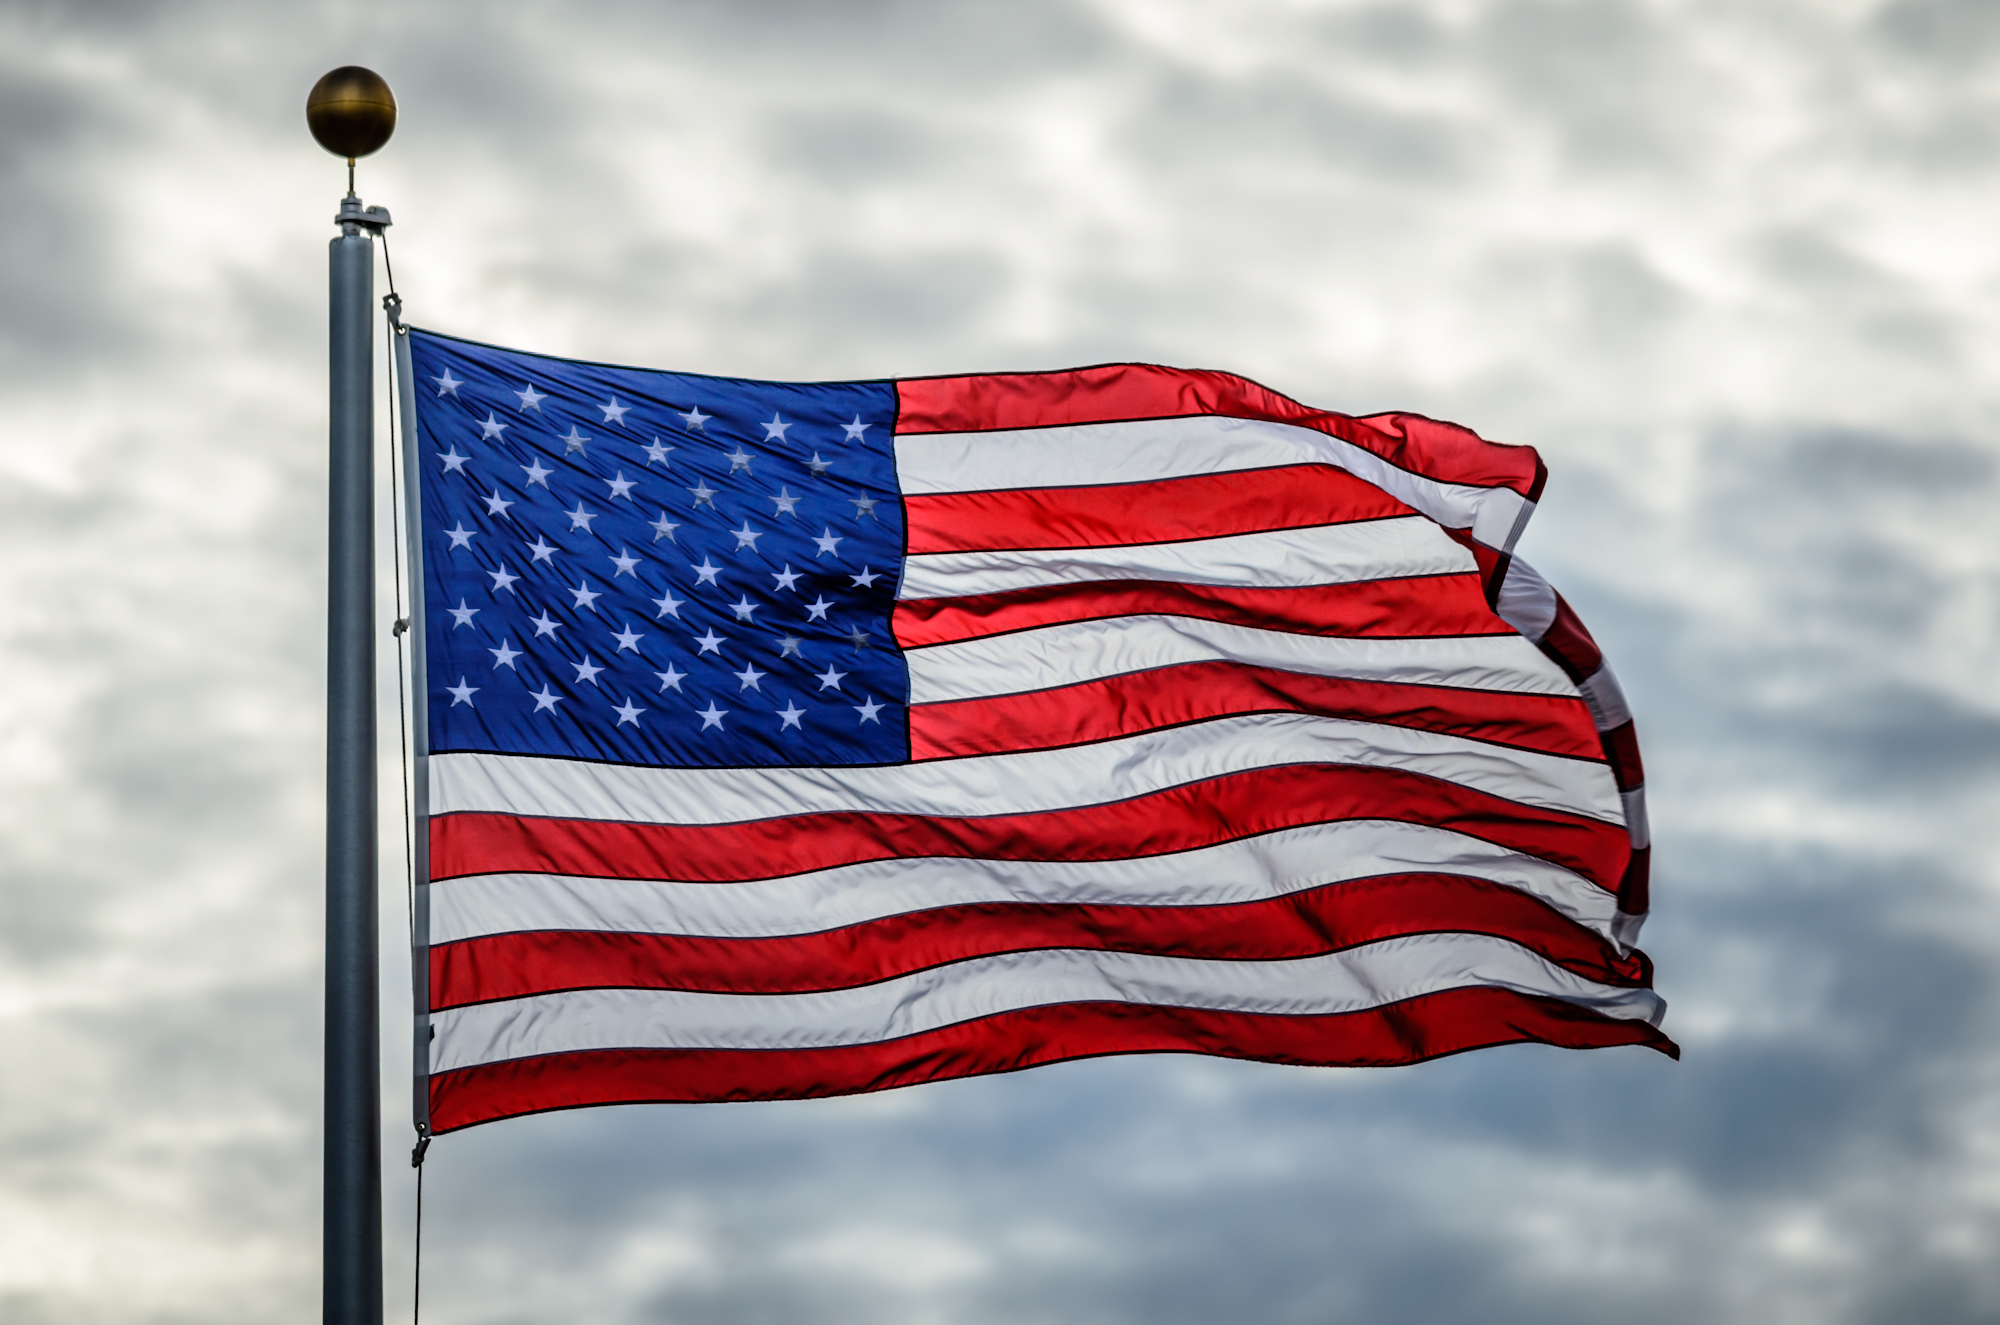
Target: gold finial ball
[{"x": 351, "y": 111}]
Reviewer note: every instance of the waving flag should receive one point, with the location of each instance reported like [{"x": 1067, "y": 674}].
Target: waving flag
[{"x": 800, "y": 739}]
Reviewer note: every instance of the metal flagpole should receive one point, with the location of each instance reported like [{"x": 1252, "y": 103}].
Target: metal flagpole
[{"x": 351, "y": 114}]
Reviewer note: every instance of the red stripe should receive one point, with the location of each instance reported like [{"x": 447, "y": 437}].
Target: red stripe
[
  {"x": 1418, "y": 607},
  {"x": 1635, "y": 891},
  {"x": 1570, "y": 645},
  {"x": 1193, "y": 692},
  {"x": 1180, "y": 818},
  {"x": 1167, "y": 511},
  {"x": 1303, "y": 924},
  {"x": 1113, "y": 392},
  {"x": 1621, "y": 747},
  {"x": 1407, "y": 1032}
]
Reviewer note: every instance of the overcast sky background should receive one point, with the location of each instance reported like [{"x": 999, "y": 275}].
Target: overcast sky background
[{"x": 1732, "y": 266}]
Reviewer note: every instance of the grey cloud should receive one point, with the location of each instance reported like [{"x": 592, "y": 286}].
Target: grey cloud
[
  {"x": 1222, "y": 128},
  {"x": 1608, "y": 77},
  {"x": 1948, "y": 32}
]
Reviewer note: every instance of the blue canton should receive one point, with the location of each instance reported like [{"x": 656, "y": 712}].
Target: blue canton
[{"x": 657, "y": 568}]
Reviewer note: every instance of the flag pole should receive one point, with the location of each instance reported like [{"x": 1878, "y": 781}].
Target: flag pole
[{"x": 351, "y": 114}]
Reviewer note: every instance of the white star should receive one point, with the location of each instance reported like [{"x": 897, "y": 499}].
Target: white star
[
  {"x": 669, "y": 606},
  {"x": 664, "y": 528},
  {"x": 866, "y": 579},
  {"x": 627, "y": 638},
  {"x": 462, "y": 694},
  {"x": 585, "y": 596},
  {"x": 629, "y": 712},
  {"x": 615, "y": 412},
  {"x": 448, "y": 385},
  {"x": 774, "y": 431},
  {"x": 711, "y": 642},
  {"x": 540, "y": 551},
  {"x": 504, "y": 656},
  {"x": 532, "y": 399},
  {"x": 586, "y": 670},
  {"x": 462, "y": 615},
  {"x": 491, "y": 428},
  {"x": 694, "y": 418},
  {"x": 858, "y": 637},
  {"x": 580, "y": 518},
  {"x": 453, "y": 461},
  {"x": 828, "y": 544},
  {"x": 749, "y": 676},
  {"x": 545, "y": 698},
  {"x": 576, "y": 440},
  {"x": 791, "y": 713},
  {"x": 625, "y": 562},
  {"x": 784, "y": 501},
  {"x": 703, "y": 494},
  {"x": 537, "y": 472},
  {"x": 657, "y": 453},
  {"x": 743, "y": 607},
  {"x": 746, "y": 537},
  {"x": 711, "y": 716},
  {"x": 459, "y": 535},
  {"x": 497, "y": 505},
  {"x": 789, "y": 645},
  {"x": 671, "y": 678},
  {"x": 545, "y": 625},
  {"x": 738, "y": 459},
  {"x": 816, "y": 611},
  {"x": 706, "y": 573},
  {"x": 817, "y": 465},
  {"x": 863, "y": 506},
  {"x": 501, "y": 579},
  {"x": 855, "y": 429},
  {"x": 830, "y": 678},
  {"x": 786, "y": 578},
  {"x": 869, "y": 710},
  {"x": 621, "y": 486}
]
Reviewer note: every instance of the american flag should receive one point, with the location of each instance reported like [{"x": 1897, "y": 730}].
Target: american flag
[{"x": 798, "y": 739}]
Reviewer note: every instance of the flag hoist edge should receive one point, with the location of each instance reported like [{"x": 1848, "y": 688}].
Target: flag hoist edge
[{"x": 798, "y": 739}]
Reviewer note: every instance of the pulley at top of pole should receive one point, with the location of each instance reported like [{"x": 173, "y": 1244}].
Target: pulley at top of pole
[{"x": 351, "y": 113}]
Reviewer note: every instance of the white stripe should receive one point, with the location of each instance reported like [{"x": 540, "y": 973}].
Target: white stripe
[
  {"x": 1144, "y": 450},
  {"x": 1252, "y": 870},
  {"x": 1606, "y": 698},
  {"x": 1274, "y": 559},
  {"x": 1024, "y": 783},
  {"x": 1349, "y": 981},
  {"x": 1636, "y": 824},
  {"x": 1075, "y": 652},
  {"x": 1526, "y": 601}
]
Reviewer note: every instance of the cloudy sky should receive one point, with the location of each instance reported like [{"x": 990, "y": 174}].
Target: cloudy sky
[{"x": 1730, "y": 264}]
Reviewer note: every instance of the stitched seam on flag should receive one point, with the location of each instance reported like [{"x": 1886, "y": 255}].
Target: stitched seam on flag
[
  {"x": 1192, "y": 616},
  {"x": 1068, "y": 585},
  {"x": 1162, "y": 542},
  {"x": 1610, "y": 981},
  {"x": 1288, "y": 895},
  {"x": 1022, "y": 1008},
  {"x": 1572, "y": 815},
  {"x": 1145, "y": 855},
  {"x": 1301, "y": 883},
  {"x": 1257, "y": 712}
]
